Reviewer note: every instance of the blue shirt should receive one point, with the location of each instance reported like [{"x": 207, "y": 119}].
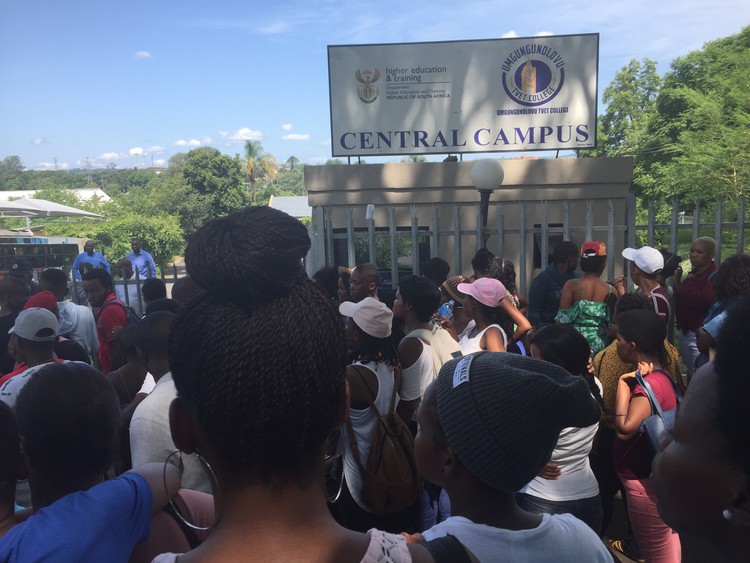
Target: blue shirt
[
  {"x": 101, "y": 524},
  {"x": 544, "y": 295},
  {"x": 96, "y": 260},
  {"x": 143, "y": 264}
]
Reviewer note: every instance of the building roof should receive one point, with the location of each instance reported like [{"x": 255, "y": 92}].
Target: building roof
[
  {"x": 83, "y": 194},
  {"x": 295, "y": 205}
]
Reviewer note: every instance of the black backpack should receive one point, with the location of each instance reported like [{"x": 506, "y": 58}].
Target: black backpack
[{"x": 133, "y": 319}]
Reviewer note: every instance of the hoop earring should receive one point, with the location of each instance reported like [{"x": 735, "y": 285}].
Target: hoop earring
[{"x": 214, "y": 488}]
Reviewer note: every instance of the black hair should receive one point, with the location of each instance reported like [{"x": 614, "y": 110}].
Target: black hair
[
  {"x": 69, "y": 417},
  {"x": 422, "y": 294},
  {"x": 126, "y": 338},
  {"x": 593, "y": 264},
  {"x": 733, "y": 277},
  {"x": 436, "y": 269},
  {"x": 734, "y": 386},
  {"x": 327, "y": 279},
  {"x": 12, "y": 285},
  {"x": 259, "y": 356},
  {"x": 369, "y": 273},
  {"x": 152, "y": 334},
  {"x": 563, "y": 345},
  {"x": 647, "y": 329},
  {"x": 632, "y": 302},
  {"x": 372, "y": 349},
  {"x": 481, "y": 261},
  {"x": 504, "y": 271},
  {"x": 564, "y": 250},
  {"x": 10, "y": 454},
  {"x": 671, "y": 262},
  {"x": 169, "y": 305},
  {"x": 153, "y": 289},
  {"x": 183, "y": 289},
  {"x": 495, "y": 315},
  {"x": 98, "y": 274},
  {"x": 53, "y": 280}
]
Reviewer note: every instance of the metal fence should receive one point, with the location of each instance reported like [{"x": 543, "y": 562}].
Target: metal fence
[{"x": 385, "y": 244}]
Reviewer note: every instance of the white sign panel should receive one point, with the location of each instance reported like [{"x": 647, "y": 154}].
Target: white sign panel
[{"x": 521, "y": 94}]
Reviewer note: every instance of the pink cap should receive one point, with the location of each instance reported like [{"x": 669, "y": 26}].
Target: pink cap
[{"x": 487, "y": 291}]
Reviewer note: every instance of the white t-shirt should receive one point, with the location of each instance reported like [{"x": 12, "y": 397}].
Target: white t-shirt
[
  {"x": 576, "y": 480},
  {"x": 559, "y": 538}
]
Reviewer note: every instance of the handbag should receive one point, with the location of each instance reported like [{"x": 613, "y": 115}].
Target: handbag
[{"x": 660, "y": 420}]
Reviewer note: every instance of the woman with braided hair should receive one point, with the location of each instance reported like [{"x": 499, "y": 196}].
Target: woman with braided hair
[{"x": 259, "y": 362}]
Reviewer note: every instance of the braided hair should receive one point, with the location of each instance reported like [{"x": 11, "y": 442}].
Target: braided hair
[{"x": 259, "y": 355}]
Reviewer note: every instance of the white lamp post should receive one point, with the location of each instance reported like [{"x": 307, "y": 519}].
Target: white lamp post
[{"x": 486, "y": 175}]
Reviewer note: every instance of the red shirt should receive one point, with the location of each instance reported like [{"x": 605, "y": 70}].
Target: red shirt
[
  {"x": 633, "y": 457},
  {"x": 107, "y": 318},
  {"x": 693, "y": 298}
]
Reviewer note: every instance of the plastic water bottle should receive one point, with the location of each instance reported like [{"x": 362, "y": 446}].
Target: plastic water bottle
[{"x": 446, "y": 309}]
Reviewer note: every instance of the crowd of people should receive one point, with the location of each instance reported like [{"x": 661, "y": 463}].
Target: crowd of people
[{"x": 259, "y": 414}]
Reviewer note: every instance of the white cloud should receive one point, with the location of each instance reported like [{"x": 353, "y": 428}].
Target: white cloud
[
  {"x": 155, "y": 149},
  {"x": 52, "y": 166},
  {"x": 39, "y": 141},
  {"x": 188, "y": 143},
  {"x": 509, "y": 34},
  {"x": 287, "y": 127},
  {"x": 159, "y": 162},
  {"x": 245, "y": 134},
  {"x": 143, "y": 55},
  {"x": 543, "y": 33},
  {"x": 296, "y": 137},
  {"x": 136, "y": 151},
  {"x": 109, "y": 156}
]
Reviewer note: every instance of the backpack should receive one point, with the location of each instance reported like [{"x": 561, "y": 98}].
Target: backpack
[
  {"x": 442, "y": 345},
  {"x": 132, "y": 316},
  {"x": 390, "y": 481}
]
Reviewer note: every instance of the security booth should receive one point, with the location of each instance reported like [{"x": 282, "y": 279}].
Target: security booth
[{"x": 398, "y": 215}]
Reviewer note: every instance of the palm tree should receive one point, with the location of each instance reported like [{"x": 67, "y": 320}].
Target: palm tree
[
  {"x": 291, "y": 162},
  {"x": 258, "y": 166}
]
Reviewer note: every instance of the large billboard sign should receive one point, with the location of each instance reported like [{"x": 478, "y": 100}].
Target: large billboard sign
[{"x": 520, "y": 94}]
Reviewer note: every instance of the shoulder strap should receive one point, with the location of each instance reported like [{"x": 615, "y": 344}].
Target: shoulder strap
[
  {"x": 655, "y": 406},
  {"x": 420, "y": 333},
  {"x": 447, "y": 550}
]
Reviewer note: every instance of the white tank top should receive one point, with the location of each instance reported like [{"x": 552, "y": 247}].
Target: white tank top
[
  {"x": 363, "y": 424},
  {"x": 471, "y": 345}
]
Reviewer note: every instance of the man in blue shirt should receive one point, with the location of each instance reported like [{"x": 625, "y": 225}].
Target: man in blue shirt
[
  {"x": 544, "y": 293},
  {"x": 142, "y": 261},
  {"x": 89, "y": 256}
]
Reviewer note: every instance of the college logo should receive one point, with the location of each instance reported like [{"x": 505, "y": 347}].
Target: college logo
[
  {"x": 368, "y": 89},
  {"x": 533, "y": 74}
]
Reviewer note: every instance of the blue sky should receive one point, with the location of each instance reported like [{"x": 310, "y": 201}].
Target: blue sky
[{"x": 132, "y": 82}]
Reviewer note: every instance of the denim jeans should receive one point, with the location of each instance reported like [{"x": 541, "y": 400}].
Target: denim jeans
[{"x": 588, "y": 510}]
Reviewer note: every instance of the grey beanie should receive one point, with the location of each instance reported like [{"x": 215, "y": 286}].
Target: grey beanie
[{"x": 502, "y": 414}]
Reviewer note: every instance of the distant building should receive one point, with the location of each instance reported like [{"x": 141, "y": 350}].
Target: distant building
[
  {"x": 83, "y": 194},
  {"x": 294, "y": 205}
]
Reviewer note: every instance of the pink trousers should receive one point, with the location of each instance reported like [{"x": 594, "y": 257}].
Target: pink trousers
[{"x": 658, "y": 542}]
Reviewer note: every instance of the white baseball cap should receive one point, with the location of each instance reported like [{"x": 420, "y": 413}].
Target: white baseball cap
[
  {"x": 646, "y": 258},
  {"x": 36, "y": 324},
  {"x": 371, "y": 315}
]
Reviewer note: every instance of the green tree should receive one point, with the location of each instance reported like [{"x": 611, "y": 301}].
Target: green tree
[
  {"x": 291, "y": 162},
  {"x": 701, "y": 145},
  {"x": 11, "y": 167},
  {"x": 259, "y": 167},
  {"x": 414, "y": 158}
]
